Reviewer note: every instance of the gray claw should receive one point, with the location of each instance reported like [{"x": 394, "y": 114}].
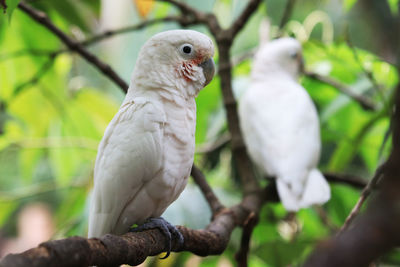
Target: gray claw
[{"x": 165, "y": 227}]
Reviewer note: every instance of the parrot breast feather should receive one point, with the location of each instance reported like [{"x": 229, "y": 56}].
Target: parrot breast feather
[
  {"x": 280, "y": 128},
  {"x": 129, "y": 156}
]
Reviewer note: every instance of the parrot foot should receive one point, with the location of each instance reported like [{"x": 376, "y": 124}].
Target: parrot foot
[{"x": 165, "y": 227}]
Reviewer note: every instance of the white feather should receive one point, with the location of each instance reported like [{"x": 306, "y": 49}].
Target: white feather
[
  {"x": 280, "y": 126},
  {"x": 128, "y": 158},
  {"x": 146, "y": 154}
]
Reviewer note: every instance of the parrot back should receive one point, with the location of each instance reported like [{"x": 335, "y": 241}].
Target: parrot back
[{"x": 280, "y": 126}]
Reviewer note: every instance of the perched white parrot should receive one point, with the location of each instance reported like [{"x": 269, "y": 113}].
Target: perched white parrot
[
  {"x": 146, "y": 154},
  {"x": 280, "y": 125}
]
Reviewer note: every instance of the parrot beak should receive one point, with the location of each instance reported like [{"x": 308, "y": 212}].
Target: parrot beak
[{"x": 208, "y": 67}]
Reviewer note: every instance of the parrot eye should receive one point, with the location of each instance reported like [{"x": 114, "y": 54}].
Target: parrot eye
[
  {"x": 294, "y": 55},
  {"x": 187, "y": 49}
]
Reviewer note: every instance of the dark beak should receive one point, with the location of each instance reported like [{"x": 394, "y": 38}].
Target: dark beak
[{"x": 208, "y": 67}]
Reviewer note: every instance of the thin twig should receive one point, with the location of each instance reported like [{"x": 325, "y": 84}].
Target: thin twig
[
  {"x": 236, "y": 60},
  {"x": 364, "y": 195},
  {"x": 189, "y": 12},
  {"x": 212, "y": 146},
  {"x": 287, "y": 12},
  {"x": 340, "y": 178},
  {"x": 184, "y": 8},
  {"x": 241, "y": 21},
  {"x": 208, "y": 19},
  {"x": 364, "y": 101},
  {"x": 367, "y": 73},
  {"x": 212, "y": 199},
  {"x": 42, "y": 19},
  {"x": 24, "y": 52},
  {"x": 38, "y": 189},
  {"x": 347, "y": 179},
  {"x": 183, "y": 21},
  {"x": 322, "y": 214},
  {"x": 35, "y": 78},
  {"x": 248, "y": 227}
]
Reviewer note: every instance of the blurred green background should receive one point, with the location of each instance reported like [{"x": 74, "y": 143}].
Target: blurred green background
[{"x": 54, "y": 108}]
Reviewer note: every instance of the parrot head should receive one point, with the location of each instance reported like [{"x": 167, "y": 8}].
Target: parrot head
[
  {"x": 179, "y": 61},
  {"x": 284, "y": 54}
]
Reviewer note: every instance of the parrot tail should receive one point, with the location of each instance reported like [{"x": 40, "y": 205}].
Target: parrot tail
[{"x": 316, "y": 191}]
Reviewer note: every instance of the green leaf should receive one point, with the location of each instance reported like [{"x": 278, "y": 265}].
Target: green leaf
[
  {"x": 394, "y": 6},
  {"x": 10, "y": 6},
  {"x": 73, "y": 12},
  {"x": 70, "y": 215},
  {"x": 3, "y": 5},
  {"x": 348, "y": 4},
  {"x": 392, "y": 258},
  {"x": 312, "y": 226},
  {"x": 6, "y": 208},
  {"x": 282, "y": 253},
  {"x": 371, "y": 146},
  {"x": 343, "y": 199},
  {"x": 207, "y": 103}
]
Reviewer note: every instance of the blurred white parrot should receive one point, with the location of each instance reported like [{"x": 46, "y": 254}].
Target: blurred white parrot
[
  {"x": 280, "y": 125},
  {"x": 146, "y": 154}
]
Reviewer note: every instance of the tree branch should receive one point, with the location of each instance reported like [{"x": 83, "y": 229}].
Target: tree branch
[
  {"x": 287, "y": 12},
  {"x": 133, "y": 248},
  {"x": 200, "y": 17},
  {"x": 364, "y": 195},
  {"x": 212, "y": 199},
  {"x": 375, "y": 231},
  {"x": 239, "y": 23},
  {"x": 242, "y": 255},
  {"x": 42, "y": 19},
  {"x": 351, "y": 180},
  {"x": 182, "y": 20},
  {"x": 24, "y": 52},
  {"x": 36, "y": 77},
  {"x": 377, "y": 16},
  {"x": 111, "y": 250},
  {"x": 364, "y": 101},
  {"x": 187, "y": 11},
  {"x": 323, "y": 215},
  {"x": 222, "y": 140},
  {"x": 368, "y": 74}
]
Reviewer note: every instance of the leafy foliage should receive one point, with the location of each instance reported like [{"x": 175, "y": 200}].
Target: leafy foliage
[{"x": 54, "y": 109}]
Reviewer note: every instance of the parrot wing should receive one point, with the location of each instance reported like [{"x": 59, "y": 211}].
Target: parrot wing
[
  {"x": 281, "y": 128},
  {"x": 129, "y": 156}
]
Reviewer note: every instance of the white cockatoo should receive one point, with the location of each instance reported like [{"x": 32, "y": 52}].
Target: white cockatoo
[
  {"x": 146, "y": 154},
  {"x": 280, "y": 125}
]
